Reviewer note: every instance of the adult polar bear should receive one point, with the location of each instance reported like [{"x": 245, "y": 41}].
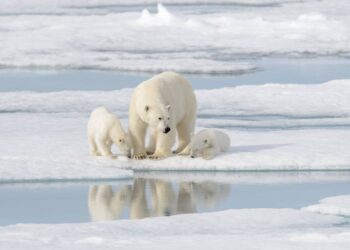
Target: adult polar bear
[{"x": 164, "y": 104}]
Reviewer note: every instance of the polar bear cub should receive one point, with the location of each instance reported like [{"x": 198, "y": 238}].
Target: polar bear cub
[
  {"x": 104, "y": 129},
  {"x": 208, "y": 143}
]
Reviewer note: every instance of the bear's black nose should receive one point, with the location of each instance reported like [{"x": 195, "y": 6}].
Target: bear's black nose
[{"x": 167, "y": 130}]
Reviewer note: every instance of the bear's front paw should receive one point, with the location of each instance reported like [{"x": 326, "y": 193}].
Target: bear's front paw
[
  {"x": 158, "y": 156},
  {"x": 139, "y": 156},
  {"x": 183, "y": 153},
  {"x": 155, "y": 157}
]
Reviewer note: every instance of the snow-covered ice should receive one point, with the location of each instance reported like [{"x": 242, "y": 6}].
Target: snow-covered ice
[
  {"x": 338, "y": 205},
  {"x": 242, "y": 229},
  {"x": 272, "y": 127},
  {"x": 73, "y": 34},
  {"x": 318, "y": 101}
]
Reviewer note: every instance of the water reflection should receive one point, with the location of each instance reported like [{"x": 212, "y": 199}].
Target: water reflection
[{"x": 154, "y": 197}]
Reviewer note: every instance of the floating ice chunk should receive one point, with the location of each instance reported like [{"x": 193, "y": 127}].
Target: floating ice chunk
[
  {"x": 162, "y": 17},
  {"x": 337, "y": 205}
]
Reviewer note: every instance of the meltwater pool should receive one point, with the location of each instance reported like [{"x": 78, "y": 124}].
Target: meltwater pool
[{"x": 152, "y": 194}]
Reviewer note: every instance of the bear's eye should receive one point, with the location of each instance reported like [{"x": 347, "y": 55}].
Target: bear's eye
[
  {"x": 205, "y": 141},
  {"x": 159, "y": 118}
]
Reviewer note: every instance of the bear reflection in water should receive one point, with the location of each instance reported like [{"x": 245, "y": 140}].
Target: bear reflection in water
[{"x": 151, "y": 198}]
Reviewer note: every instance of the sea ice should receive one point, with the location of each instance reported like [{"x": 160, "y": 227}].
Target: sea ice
[
  {"x": 54, "y": 34},
  {"x": 337, "y": 205},
  {"x": 272, "y": 127},
  {"x": 243, "y": 229}
]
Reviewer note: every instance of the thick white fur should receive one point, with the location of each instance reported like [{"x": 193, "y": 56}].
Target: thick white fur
[
  {"x": 208, "y": 143},
  {"x": 165, "y": 101},
  {"x": 104, "y": 129}
]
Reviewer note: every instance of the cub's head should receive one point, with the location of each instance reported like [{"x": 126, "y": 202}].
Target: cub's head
[
  {"x": 199, "y": 143},
  {"x": 159, "y": 118},
  {"x": 124, "y": 144}
]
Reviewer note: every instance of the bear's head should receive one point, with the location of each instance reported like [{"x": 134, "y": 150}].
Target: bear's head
[
  {"x": 159, "y": 117},
  {"x": 124, "y": 144},
  {"x": 199, "y": 143}
]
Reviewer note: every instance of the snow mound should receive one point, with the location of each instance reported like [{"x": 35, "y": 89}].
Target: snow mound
[
  {"x": 163, "y": 17},
  {"x": 337, "y": 205}
]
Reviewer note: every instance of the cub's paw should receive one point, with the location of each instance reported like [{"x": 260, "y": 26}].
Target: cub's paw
[
  {"x": 139, "y": 156},
  {"x": 207, "y": 156}
]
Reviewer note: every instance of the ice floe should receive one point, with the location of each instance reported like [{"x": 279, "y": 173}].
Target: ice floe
[
  {"x": 165, "y": 39},
  {"x": 337, "y": 205},
  {"x": 243, "y": 228}
]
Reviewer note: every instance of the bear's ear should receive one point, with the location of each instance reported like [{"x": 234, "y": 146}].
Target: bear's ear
[
  {"x": 168, "y": 107},
  {"x": 146, "y": 108}
]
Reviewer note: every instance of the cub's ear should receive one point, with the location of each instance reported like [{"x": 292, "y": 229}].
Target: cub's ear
[
  {"x": 168, "y": 107},
  {"x": 146, "y": 108}
]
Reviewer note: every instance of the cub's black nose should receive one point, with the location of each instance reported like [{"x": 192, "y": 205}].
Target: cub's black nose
[{"x": 167, "y": 130}]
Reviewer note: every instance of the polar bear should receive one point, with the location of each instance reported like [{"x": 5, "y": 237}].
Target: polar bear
[
  {"x": 104, "y": 129},
  {"x": 208, "y": 143},
  {"x": 164, "y": 104}
]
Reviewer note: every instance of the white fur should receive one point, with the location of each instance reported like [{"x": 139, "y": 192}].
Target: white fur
[
  {"x": 164, "y": 101},
  {"x": 208, "y": 143},
  {"x": 104, "y": 129}
]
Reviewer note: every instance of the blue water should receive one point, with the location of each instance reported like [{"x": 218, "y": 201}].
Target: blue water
[
  {"x": 68, "y": 203},
  {"x": 302, "y": 71}
]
